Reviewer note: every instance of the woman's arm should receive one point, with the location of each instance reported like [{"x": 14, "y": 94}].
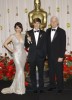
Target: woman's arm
[
  {"x": 9, "y": 39},
  {"x": 27, "y": 40}
]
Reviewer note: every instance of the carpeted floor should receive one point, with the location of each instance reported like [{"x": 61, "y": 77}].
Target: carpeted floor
[{"x": 52, "y": 95}]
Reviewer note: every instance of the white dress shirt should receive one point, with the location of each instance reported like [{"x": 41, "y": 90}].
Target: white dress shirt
[
  {"x": 36, "y": 34},
  {"x": 53, "y": 33}
]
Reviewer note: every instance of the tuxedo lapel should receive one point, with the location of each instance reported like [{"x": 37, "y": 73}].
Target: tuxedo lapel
[
  {"x": 39, "y": 38},
  {"x": 33, "y": 38},
  {"x": 56, "y": 33},
  {"x": 50, "y": 35}
]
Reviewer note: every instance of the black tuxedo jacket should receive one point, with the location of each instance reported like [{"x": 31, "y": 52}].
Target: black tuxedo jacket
[
  {"x": 39, "y": 51},
  {"x": 57, "y": 47}
]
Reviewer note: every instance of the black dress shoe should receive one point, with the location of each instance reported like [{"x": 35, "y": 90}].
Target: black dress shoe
[
  {"x": 51, "y": 89},
  {"x": 35, "y": 91},
  {"x": 42, "y": 91},
  {"x": 59, "y": 91}
]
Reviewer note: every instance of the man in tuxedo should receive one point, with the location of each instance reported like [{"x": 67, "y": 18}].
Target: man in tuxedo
[
  {"x": 56, "y": 46},
  {"x": 35, "y": 40}
]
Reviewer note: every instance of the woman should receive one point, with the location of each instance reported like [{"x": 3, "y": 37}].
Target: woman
[{"x": 19, "y": 56}]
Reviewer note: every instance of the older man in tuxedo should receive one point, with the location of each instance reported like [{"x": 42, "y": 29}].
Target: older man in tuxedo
[
  {"x": 56, "y": 46},
  {"x": 36, "y": 41}
]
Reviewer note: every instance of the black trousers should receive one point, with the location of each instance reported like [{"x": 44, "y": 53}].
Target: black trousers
[
  {"x": 56, "y": 70},
  {"x": 40, "y": 65}
]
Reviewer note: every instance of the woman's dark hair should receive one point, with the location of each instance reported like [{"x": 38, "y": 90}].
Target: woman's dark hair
[{"x": 19, "y": 25}]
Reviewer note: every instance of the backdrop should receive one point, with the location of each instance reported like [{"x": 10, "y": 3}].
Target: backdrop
[{"x": 12, "y": 11}]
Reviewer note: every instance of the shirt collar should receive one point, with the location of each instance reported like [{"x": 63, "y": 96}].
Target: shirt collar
[
  {"x": 35, "y": 29},
  {"x": 55, "y": 28}
]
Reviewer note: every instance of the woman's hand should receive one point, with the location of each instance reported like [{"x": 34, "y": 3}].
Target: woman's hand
[
  {"x": 28, "y": 38},
  {"x": 13, "y": 51}
]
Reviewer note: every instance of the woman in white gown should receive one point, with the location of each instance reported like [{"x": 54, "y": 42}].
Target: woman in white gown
[{"x": 19, "y": 56}]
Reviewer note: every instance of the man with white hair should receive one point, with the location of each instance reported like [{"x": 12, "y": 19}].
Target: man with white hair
[{"x": 56, "y": 46}]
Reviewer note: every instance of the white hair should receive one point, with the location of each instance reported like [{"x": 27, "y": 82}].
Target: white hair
[{"x": 54, "y": 17}]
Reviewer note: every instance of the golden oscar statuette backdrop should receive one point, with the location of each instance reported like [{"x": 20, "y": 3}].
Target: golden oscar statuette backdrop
[{"x": 38, "y": 13}]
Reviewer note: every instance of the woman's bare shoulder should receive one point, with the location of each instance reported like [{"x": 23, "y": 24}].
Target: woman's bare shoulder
[{"x": 11, "y": 35}]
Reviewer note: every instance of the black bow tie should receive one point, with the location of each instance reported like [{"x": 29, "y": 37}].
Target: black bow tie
[
  {"x": 53, "y": 29},
  {"x": 37, "y": 31}
]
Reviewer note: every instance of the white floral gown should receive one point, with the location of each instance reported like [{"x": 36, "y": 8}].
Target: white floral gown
[{"x": 19, "y": 56}]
